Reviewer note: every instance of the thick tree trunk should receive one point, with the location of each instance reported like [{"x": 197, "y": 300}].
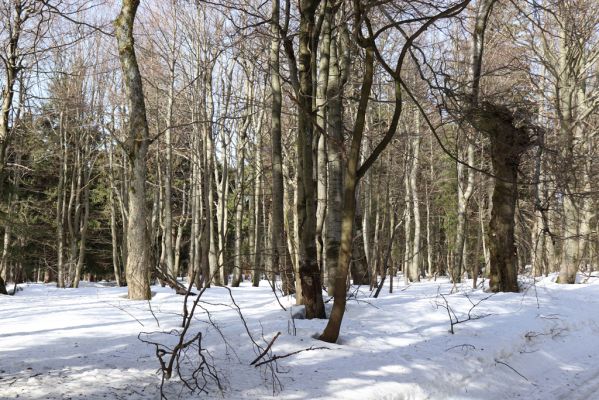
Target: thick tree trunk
[
  {"x": 504, "y": 262},
  {"x": 139, "y": 259},
  {"x": 331, "y": 332},
  {"x": 309, "y": 270},
  {"x": 335, "y": 164},
  {"x": 322, "y": 129},
  {"x": 508, "y": 142},
  {"x": 11, "y": 64}
]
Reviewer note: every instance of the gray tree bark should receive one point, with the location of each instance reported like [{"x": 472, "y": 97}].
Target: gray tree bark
[{"x": 139, "y": 257}]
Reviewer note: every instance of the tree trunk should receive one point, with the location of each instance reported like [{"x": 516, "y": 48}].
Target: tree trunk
[
  {"x": 83, "y": 226},
  {"x": 322, "y": 129},
  {"x": 408, "y": 241},
  {"x": 240, "y": 181},
  {"x": 335, "y": 170},
  {"x": 61, "y": 205},
  {"x": 168, "y": 175},
  {"x": 309, "y": 270},
  {"x": 277, "y": 218},
  {"x": 257, "y": 216},
  {"x": 504, "y": 263},
  {"x": 331, "y": 332},
  {"x": 416, "y": 250},
  {"x": 138, "y": 251},
  {"x": 464, "y": 194}
]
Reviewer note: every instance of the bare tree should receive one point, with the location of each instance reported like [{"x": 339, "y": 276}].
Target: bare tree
[{"x": 136, "y": 147}]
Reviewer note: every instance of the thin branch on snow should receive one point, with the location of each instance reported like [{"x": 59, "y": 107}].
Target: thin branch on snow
[
  {"x": 512, "y": 368},
  {"x": 275, "y": 357},
  {"x": 453, "y": 318}
]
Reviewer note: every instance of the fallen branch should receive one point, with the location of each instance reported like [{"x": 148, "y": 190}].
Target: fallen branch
[
  {"x": 453, "y": 318},
  {"x": 266, "y": 349},
  {"x": 512, "y": 368},
  {"x": 463, "y": 346},
  {"x": 275, "y": 357},
  {"x": 172, "y": 282}
]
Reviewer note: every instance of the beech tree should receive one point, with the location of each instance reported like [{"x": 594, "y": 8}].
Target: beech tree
[
  {"x": 136, "y": 148},
  {"x": 313, "y": 146}
]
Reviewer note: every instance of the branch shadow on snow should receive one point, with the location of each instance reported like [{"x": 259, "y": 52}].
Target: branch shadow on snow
[{"x": 400, "y": 348}]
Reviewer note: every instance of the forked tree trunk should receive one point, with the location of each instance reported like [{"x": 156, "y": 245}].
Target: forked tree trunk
[{"x": 331, "y": 332}]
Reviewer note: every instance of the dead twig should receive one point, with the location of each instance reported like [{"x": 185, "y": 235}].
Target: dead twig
[
  {"x": 275, "y": 357},
  {"x": 512, "y": 368},
  {"x": 463, "y": 346},
  {"x": 453, "y": 318},
  {"x": 266, "y": 349}
]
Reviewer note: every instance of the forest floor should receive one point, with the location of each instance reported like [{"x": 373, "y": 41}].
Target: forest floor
[{"x": 542, "y": 343}]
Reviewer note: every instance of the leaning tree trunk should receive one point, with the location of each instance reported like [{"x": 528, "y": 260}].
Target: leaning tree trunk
[
  {"x": 139, "y": 257},
  {"x": 331, "y": 332}
]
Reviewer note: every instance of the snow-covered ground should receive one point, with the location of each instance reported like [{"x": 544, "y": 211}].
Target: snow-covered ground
[{"x": 83, "y": 343}]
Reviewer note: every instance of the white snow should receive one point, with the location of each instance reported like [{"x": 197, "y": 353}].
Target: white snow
[{"x": 83, "y": 343}]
